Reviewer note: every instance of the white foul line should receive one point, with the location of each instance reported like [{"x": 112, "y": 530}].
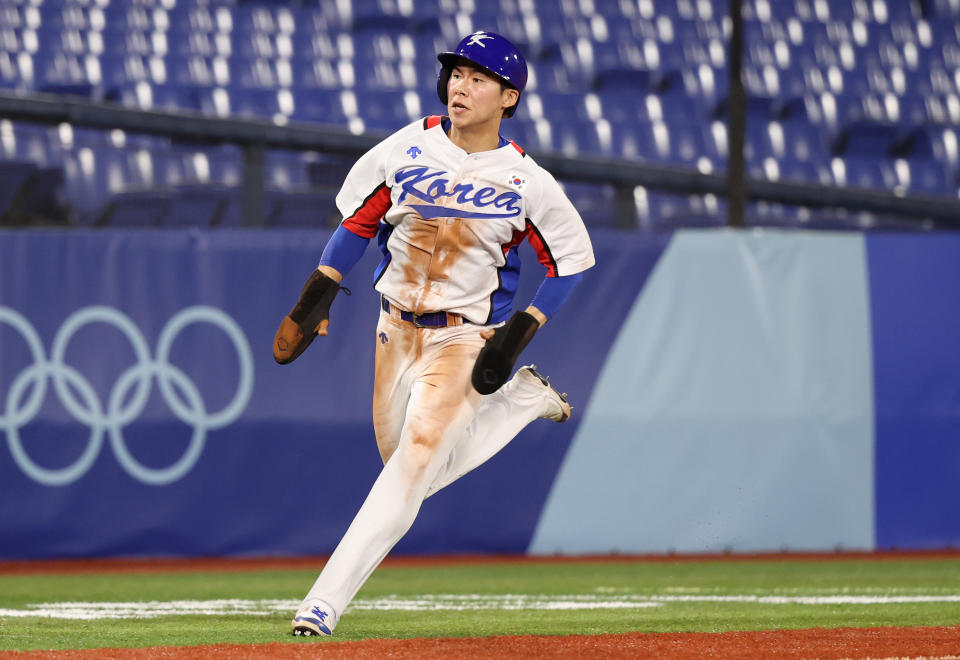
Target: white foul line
[{"x": 437, "y": 602}]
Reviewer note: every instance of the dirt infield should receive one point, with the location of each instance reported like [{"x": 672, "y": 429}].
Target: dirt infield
[
  {"x": 815, "y": 643},
  {"x": 220, "y": 564}
]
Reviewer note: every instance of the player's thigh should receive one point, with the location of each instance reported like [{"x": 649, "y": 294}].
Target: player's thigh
[
  {"x": 395, "y": 355},
  {"x": 442, "y": 399}
]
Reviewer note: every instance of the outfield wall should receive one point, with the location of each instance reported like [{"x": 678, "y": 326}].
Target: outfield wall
[{"x": 749, "y": 391}]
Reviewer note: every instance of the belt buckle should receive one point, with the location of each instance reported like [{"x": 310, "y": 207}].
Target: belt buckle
[{"x": 416, "y": 323}]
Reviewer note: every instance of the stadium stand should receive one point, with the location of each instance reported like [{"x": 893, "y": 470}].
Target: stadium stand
[{"x": 845, "y": 93}]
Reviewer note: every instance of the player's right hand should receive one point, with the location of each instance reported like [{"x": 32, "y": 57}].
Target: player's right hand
[
  {"x": 500, "y": 353},
  {"x": 308, "y": 318}
]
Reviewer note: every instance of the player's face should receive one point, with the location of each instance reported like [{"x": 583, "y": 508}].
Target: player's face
[{"x": 474, "y": 97}]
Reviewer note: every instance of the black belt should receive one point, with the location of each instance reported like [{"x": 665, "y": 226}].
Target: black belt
[{"x": 428, "y": 320}]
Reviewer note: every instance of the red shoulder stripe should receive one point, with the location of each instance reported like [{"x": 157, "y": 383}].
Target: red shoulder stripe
[
  {"x": 518, "y": 148},
  {"x": 432, "y": 121},
  {"x": 365, "y": 220}
]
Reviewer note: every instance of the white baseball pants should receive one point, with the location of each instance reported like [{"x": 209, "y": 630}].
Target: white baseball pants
[{"x": 432, "y": 427}]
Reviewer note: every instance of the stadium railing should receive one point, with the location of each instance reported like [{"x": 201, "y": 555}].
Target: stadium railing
[{"x": 256, "y": 136}]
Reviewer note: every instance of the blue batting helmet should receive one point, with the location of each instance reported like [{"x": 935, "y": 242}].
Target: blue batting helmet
[{"x": 491, "y": 52}]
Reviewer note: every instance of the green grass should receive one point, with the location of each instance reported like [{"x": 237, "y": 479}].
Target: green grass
[{"x": 761, "y": 578}]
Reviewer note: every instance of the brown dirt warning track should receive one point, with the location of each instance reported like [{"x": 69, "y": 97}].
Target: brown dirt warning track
[
  {"x": 218, "y": 564},
  {"x": 938, "y": 643}
]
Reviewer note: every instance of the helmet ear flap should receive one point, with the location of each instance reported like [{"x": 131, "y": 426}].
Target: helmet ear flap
[{"x": 442, "y": 81}]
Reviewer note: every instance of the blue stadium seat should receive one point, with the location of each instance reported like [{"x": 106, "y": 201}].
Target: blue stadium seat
[
  {"x": 430, "y": 102},
  {"x": 260, "y": 72},
  {"x": 624, "y": 104},
  {"x": 327, "y": 171},
  {"x": 927, "y": 176},
  {"x": 797, "y": 140},
  {"x": 137, "y": 208},
  {"x": 254, "y": 19},
  {"x": 531, "y": 135},
  {"x": 312, "y": 209},
  {"x": 330, "y": 75},
  {"x": 865, "y": 172},
  {"x": 188, "y": 69},
  {"x": 13, "y": 179},
  {"x": 315, "y": 105},
  {"x": 129, "y": 16},
  {"x": 941, "y": 9},
  {"x": 552, "y": 74},
  {"x": 662, "y": 211},
  {"x": 594, "y": 202},
  {"x": 865, "y": 138},
  {"x": 118, "y": 70},
  {"x": 231, "y": 215},
  {"x": 266, "y": 103},
  {"x": 183, "y": 17},
  {"x": 390, "y": 15},
  {"x": 805, "y": 171},
  {"x": 30, "y": 142},
  {"x": 145, "y": 96},
  {"x": 375, "y": 73},
  {"x": 196, "y": 206},
  {"x": 121, "y": 41},
  {"x": 286, "y": 170},
  {"x": 565, "y": 109},
  {"x": 642, "y": 80},
  {"x": 386, "y": 111},
  {"x": 187, "y": 43}
]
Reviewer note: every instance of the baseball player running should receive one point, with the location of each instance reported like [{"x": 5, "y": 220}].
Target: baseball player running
[{"x": 449, "y": 201}]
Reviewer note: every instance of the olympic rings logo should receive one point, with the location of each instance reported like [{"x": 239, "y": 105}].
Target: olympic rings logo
[{"x": 82, "y": 402}]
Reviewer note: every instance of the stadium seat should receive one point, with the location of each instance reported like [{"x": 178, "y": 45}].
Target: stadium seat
[
  {"x": 286, "y": 169},
  {"x": 663, "y": 211},
  {"x": 145, "y": 96},
  {"x": 13, "y": 179},
  {"x": 926, "y": 176},
  {"x": 196, "y": 206},
  {"x": 866, "y": 138},
  {"x": 327, "y": 171},
  {"x": 386, "y": 111},
  {"x": 306, "y": 208},
  {"x": 146, "y": 208},
  {"x": 534, "y": 135},
  {"x": 315, "y": 105},
  {"x": 27, "y": 142},
  {"x": 594, "y": 202},
  {"x": 831, "y": 84},
  {"x": 265, "y": 103},
  {"x": 865, "y": 172}
]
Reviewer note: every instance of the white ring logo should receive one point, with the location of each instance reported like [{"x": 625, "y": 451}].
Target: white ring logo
[{"x": 88, "y": 409}]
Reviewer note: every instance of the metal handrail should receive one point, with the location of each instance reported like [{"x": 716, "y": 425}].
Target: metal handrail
[{"x": 257, "y": 135}]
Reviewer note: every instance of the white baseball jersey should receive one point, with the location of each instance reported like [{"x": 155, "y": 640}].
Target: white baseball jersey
[{"x": 448, "y": 222}]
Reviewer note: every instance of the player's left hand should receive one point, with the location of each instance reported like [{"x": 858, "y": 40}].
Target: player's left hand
[{"x": 309, "y": 318}]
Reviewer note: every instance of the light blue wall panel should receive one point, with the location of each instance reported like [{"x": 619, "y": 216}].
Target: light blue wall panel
[{"x": 735, "y": 409}]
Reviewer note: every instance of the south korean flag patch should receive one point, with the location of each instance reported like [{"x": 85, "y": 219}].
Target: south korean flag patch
[{"x": 516, "y": 182}]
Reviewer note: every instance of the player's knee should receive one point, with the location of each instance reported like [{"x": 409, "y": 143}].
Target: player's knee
[{"x": 421, "y": 450}]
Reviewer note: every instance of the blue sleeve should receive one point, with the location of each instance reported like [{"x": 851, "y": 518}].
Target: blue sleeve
[
  {"x": 343, "y": 250},
  {"x": 553, "y": 292}
]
